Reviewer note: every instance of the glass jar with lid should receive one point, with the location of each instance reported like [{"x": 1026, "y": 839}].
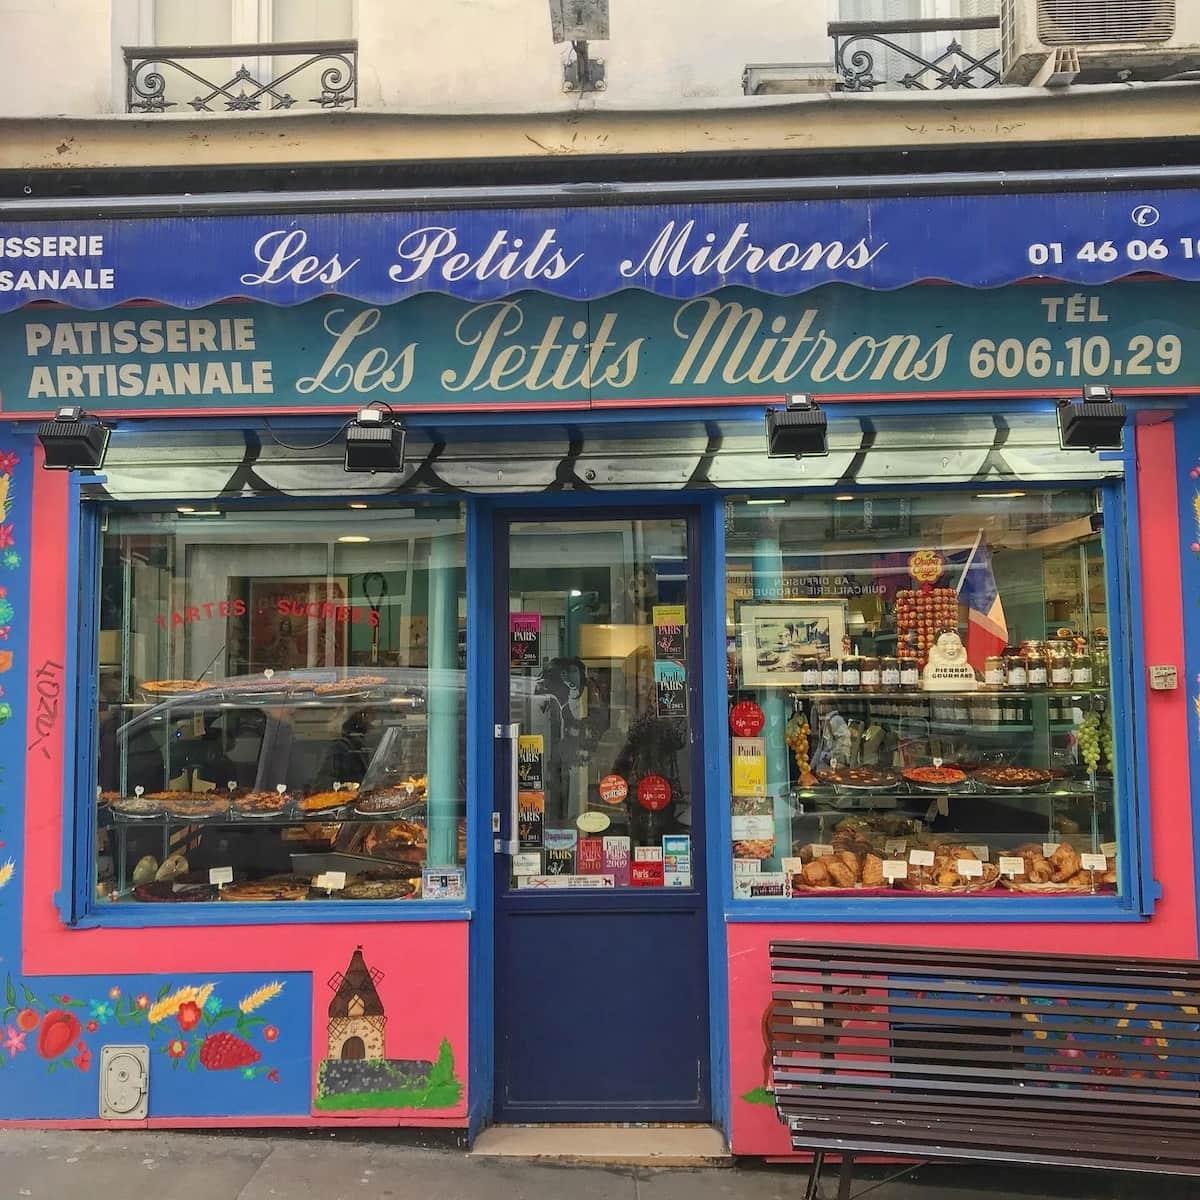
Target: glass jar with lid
[
  {"x": 810, "y": 673},
  {"x": 1016, "y": 668},
  {"x": 889, "y": 673},
  {"x": 1058, "y": 655},
  {"x": 1101, "y": 669},
  {"x": 852, "y": 672},
  {"x": 871, "y": 678},
  {"x": 993, "y": 671},
  {"x": 1081, "y": 667},
  {"x": 1038, "y": 667},
  {"x": 910, "y": 674},
  {"x": 829, "y": 673}
]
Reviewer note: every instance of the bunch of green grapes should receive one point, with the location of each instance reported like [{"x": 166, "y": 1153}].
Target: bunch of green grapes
[
  {"x": 1106, "y": 742},
  {"x": 1088, "y": 736}
]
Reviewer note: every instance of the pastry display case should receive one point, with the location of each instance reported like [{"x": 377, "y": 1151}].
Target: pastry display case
[
  {"x": 927, "y": 711},
  {"x": 302, "y": 737}
]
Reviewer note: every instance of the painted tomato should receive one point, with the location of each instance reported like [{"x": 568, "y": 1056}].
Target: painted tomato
[
  {"x": 27, "y": 1019},
  {"x": 188, "y": 1015},
  {"x": 58, "y": 1034}
]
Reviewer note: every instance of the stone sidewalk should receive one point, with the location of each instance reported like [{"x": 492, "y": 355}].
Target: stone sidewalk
[{"x": 60, "y": 1165}]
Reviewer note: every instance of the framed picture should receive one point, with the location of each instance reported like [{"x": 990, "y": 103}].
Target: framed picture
[
  {"x": 293, "y": 623},
  {"x": 777, "y": 637}
]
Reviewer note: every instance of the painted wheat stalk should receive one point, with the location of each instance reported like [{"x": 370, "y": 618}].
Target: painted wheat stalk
[
  {"x": 168, "y": 1006},
  {"x": 260, "y": 996},
  {"x": 7, "y": 872}
]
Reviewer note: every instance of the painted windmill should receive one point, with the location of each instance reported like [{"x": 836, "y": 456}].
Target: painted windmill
[{"x": 357, "y": 1023}]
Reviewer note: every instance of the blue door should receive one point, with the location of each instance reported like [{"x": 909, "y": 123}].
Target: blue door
[{"x": 601, "y": 1004}]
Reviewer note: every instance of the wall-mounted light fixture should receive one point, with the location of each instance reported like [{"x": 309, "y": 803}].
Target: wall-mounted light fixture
[
  {"x": 1093, "y": 422},
  {"x": 73, "y": 440},
  {"x": 581, "y": 22},
  {"x": 797, "y": 431},
  {"x": 374, "y": 442}
]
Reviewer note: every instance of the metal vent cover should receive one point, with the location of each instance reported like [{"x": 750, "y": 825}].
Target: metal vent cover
[{"x": 1086, "y": 22}]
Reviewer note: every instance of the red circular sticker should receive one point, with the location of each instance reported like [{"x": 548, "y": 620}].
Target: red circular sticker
[
  {"x": 613, "y": 789},
  {"x": 653, "y": 792},
  {"x": 746, "y": 719}
]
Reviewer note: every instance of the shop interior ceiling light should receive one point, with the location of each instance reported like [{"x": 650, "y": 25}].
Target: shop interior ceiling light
[
  {"x": 73, "y": 440},
  {"x": 1094, "y": 422},
  {"x": 797, "y": 431},
  {"x": 374, "y": 442}
]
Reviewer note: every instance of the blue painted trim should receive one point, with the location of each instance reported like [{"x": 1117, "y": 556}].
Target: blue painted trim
[
  {"x": 78, "y": 704},
  {"x": 308, "y": 912},
  {"x": 1123, "y": 583},
  {"x": 716, "y": 825},
  {"x": 481, "y": 650},
  {"x": 935, "y": 910}
]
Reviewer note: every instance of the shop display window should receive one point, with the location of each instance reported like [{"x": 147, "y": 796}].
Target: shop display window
[
  {"x": 920, "y": 696},
  {"x": 282, "y": 705}
]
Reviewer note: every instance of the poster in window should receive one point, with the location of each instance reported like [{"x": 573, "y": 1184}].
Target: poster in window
[
  {"x": 531, "y": 759},
  {"x": 524, "y": 639},
  {"x": 777, "y": 639},
  {"x": 670, "y": 688},
  {"x": 670, "y": 640},
  {"x": 749, "y": 766},
  {"x": 531, "y": 814}
]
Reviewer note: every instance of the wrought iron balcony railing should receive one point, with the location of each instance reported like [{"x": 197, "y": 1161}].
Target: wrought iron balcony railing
[
  {"x": 158, "y": 78},
  {"x": 858, "y": 44}
]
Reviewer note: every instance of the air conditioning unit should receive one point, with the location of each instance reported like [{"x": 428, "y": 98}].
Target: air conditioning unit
[{"x": 1113, "y": 39}]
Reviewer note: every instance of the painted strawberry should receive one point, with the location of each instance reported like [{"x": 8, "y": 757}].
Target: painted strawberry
[{"x": 226, "y": 1051}]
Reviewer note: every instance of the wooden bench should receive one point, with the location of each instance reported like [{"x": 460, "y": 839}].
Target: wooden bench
[{"x": 917, "y": 1052}]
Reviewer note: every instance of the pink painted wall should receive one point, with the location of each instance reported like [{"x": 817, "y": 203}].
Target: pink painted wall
[
  {"x": 1171, "y": 933},
  {"x": 424, "y": 963}
]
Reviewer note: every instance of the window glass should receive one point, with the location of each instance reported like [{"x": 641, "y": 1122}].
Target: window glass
[
  {"x": 919, "y": 696},
  {"x": 281, "y": 701}
]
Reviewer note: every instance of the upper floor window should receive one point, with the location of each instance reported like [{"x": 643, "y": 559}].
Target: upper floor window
[{"x": 193, "y": 72}]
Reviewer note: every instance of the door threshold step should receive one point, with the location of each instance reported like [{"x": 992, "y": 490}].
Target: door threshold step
[{"x": 607, "y": 1145}]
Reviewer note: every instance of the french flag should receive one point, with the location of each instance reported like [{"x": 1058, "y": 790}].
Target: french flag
[{"x": 987, "y": 630}]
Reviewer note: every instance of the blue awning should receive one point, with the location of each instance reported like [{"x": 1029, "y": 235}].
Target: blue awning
[{"x": 583, "y": 253}]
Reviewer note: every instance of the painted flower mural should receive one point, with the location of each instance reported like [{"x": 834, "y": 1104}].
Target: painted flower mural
[{"x": 224, "y": 1036}]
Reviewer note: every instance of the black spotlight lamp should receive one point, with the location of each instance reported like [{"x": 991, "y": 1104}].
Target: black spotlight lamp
[
  {"x": 374, "y": 442},
  {"x": 797, "y": 431},
  {"x": 73, "y": 441},
  {"x": 1093, "y": 422}
]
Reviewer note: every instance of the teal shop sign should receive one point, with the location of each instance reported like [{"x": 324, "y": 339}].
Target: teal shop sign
[{"x": 534, "y": 350}]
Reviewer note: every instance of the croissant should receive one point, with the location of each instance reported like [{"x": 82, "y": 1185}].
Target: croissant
[
  {"x": 851, "y": 861},
  {"x": 814, "y": 874},
  {"x": 1065, "y": 861},
  {"x": 872, "y": 871},
  {"x": 841, "y": 874},
  {"x": 947, "y": 877}
]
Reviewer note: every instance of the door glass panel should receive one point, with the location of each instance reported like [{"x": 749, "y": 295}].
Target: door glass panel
[{"x": 599, "y": 666}]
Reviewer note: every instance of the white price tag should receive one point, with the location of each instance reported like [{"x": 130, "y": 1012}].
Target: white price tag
[
  {"x": 220, "y": 875},
  {"x": 1048, "y": 848},
  {"x": 1093, "y": 862},
  {"x": 745, "y": 866},
  {"x": 1010, "y": 865},
  {"x": 820, "y": 850},
  {"x": 792, "y": 866},
  {"x": 1109, "y": 849},
  {"x": 231, "y": 784},
  {"x": 335, "y": 880},
  {"x": 968, "y": 867},
  {"x": 983, "y": 853},
  {"x": 921, "y": 858},
  {"x": 895, "y": 846},
  {"x": 281, "y": 788},
  {"x": 139, "y": 790},
  {"x": 894, "y": 868}
]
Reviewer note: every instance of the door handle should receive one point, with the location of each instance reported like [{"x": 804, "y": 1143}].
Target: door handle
[{"x": 511, "y": 845}]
